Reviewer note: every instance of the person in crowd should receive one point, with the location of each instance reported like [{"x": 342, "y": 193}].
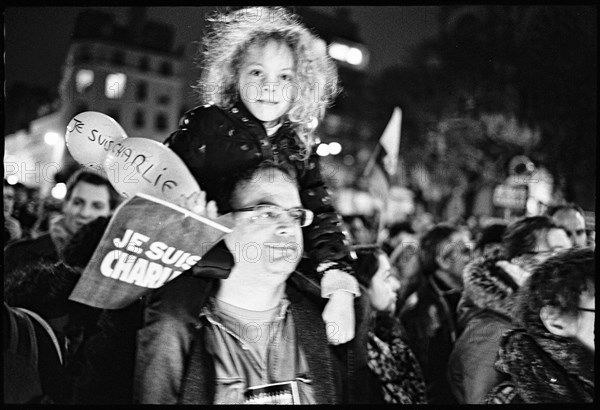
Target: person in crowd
[
  {"x": 403, "y": 245},
  {"x": 396, "y": 234},
  {"x": 40, "y": 291},
  {"x": 102, "y": 367},
  {"x": 88, "y": 196},
  {"x": 48, "y": 209},
  {"x": 266, "y": 81},
  {"x": 570, "y": 217},
  {"x": 22, "y": 210},
  {"x": 431, "y": 322},
  {"x": 489, "y": 240},
  {"x": 549, "y": 357},
  {"x": 12, "y": 227},
  {"x": 393, "y": 363},
  {"x": 359, "y": 229},
  {"x": 484, "y": 312},
  {"x": 207, "y": 340}
]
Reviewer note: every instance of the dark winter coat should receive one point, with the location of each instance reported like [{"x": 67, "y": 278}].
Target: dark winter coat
[
  {"x": 483, "y": 316},
  {"x": 216, "y": 144},
  {"x": 29, "y": 251},
  {"x": 543, "y": 368}
]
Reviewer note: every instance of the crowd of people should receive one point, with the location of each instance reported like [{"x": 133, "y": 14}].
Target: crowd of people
[{"x": 443, "y": 313}]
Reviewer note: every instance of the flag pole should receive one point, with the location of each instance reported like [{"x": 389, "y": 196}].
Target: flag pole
[{"x": 371, "y": 162}]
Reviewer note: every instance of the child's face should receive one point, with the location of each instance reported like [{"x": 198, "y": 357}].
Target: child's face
[{"x": 266, "y": 81}]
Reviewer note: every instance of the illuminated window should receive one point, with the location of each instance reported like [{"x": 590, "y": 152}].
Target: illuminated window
[
  {"x": 84, "y": 79},
  {"x": 115, "y": 85}
]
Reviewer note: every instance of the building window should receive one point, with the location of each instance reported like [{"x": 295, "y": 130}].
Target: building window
[
  {"x": 115, "y": 114},
  {"x": 144, "y": 64},
  {"x": 83, "y": 80},
  {"x": 115, "y": 85},
  {"x": 161, "y": 122},
  {"x": 141, "y": 92},
  {"x": 166, "y": 69},
  {"x": 140, "y": 119},
  {"x": 163, "y": 99},
  {"x": 118, "y": 58}
]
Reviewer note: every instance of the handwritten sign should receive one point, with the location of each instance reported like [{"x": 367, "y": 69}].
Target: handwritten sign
[
  {"x": 147, "y": 243},
  {"x": 90, "y": 135},
  {"x": 140, "y": 165}
]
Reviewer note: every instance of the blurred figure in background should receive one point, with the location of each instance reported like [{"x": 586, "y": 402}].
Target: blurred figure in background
[
  {"x": 89, "y": 196},
  {"x": 489, "y": 241},
  {"x": 490, "y": 286},
  {"x": 359, "y": 228},
  {"x": 430, "y": 323},
  {"x": 12, "y": 227},
  {"x": 23, "y": 211},
  {"x": 390, "y": 358},
  {"x": 549, "y": 358},
  {"x": 570, "y": 217},
  {"x": 43, "y": 290},
  {"x": 48, "y": 209}
]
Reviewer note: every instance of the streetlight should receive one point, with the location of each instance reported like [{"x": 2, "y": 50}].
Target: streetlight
[{"x": 51, "y": 138}]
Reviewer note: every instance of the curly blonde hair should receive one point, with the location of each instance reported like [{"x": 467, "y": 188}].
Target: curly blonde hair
[{"x": 231, "y": 35}]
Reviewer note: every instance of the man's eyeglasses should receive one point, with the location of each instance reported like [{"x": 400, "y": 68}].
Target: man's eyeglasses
[
  {"x": 273, "y": 213},
  {"x": 586, "y": 310},
  {"x": 549, "y": 252}
]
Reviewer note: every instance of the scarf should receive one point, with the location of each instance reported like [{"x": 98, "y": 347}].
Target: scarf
[{"x": 547, "y": 368}]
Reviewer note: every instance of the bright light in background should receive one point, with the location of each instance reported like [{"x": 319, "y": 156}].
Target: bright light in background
[
  {"x": 51, "y": 138},
  {"x": 354, "y": 56},
  {"x": 83, "y": 80},
  {"x": 59, "y": 191},
  {"x": 323, "y": 150},
  {"x": 335, "y": 148},
  {"x": 12, "y": 179},
  {"x": 115, "y": 85},
  {"x": 338, "y": 51}
]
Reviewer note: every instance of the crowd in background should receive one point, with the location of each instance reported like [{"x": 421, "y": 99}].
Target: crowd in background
[{"x": 455, "y": 333}]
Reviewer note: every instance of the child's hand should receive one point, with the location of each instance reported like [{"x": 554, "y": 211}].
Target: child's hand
[
  {"x": 196, "y": 203},
  {"x": 338, "y": 316}
]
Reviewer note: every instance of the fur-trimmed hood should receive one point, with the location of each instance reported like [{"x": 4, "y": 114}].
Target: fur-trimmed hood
[{"x": 486, "y": 286}]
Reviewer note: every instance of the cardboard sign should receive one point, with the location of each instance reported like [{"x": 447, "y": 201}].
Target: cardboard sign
[
  {"x": 511, "y": 196},
  {"x": 147, "y": 243}
]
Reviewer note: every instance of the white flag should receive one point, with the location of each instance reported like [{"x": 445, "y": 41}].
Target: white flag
[{"x": 390, "y": 142}]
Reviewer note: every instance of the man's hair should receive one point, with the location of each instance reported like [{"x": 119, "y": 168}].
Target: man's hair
[
  {"x": 237, "y": 180},
  {"x": 552, "y": 210},
  {"x": 430, "y": 246},
  {"x": 521, "y": 236},
  {"x": 43, "y": 288},
  {"x": 559, "y": 282},
  {"x": 366, "y": 263},
  {"x": 91, "y": 177}
]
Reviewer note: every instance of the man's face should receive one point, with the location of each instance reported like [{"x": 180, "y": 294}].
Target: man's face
[
  {"x": 548, "y": 243},
  {"x": 87, "y": 202},
  {"x": 9, "y": 199},
  {"x": 574, "y": 223},
  {"x": 268, "y": 249}
]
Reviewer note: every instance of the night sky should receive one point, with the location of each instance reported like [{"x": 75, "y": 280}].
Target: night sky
[{"x": 36, "y": 38}]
